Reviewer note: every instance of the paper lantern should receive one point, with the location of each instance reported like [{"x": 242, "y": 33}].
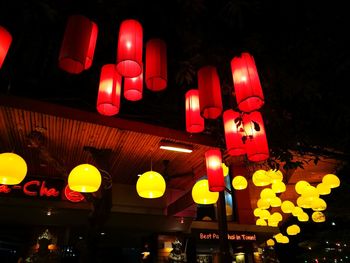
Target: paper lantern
[
  {"x": 249, "y": 94},
  {"x": 256, "y": 142},
  {"x": 272, "y": 223},
  {"x": 287, "y": 207},
  {"x": 133, "y": 88},
  {"x": 310, "y": 192},
  {"x": 284, "y": 240},
  {"x": 318, "y": 204},
  {"x": 304, "y": 202},
  {"x": 5, "y": 43},
  {"x": 129, "y": 53},
  {"x": 108, "y": 98},
  {"x": 323, "y": 189},
  {"x": 194, "y": 120},
  {"x": 275, "y": 202},
  {"x": 239, "y": 182},
  {"x": 209, "y": 92},
  {"x": 267, "y": 194},
  {"x": 260, "y": 178},
  {"x": 257, "y": 212},
  {"x": 270, "y": 242},
  {"x": 293, "y": 230},
  {"x": 264, "y": 214},
  {"x": 202, "y": 195},
  {"x": 13, "y": 168},
  {"x": 150, "y": 185},
  {"x": 275, "y": 175},
  {"x": 214, "y": 170},
  {"x": 261, "y": 222},
  {"x": 331, "y": 180},
  {"x": 278, "y": 187},
  {"x": 304, "y": 217},
  {"x": 156, "y": 65},
  {"x": 318, "y": 217},
  {"x": 263, "y": 204},
  {"x": 276, "y": 217},
  {"x": 78, "y": 45},
  {"x": 84, "y": 178},
  {"x": 300, "y": 186},
  {"x": 233, "y": 134},
  {"x": 297, "y": 211}
]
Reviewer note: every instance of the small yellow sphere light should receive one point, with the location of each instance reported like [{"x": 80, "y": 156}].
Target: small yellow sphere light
[
  {"x": 267, "y": 194},
  {"x": 318, "y": 204},
  {"x": 257, "y": 212},
  {"x": 278, "y": 187},
  {"x": 297, "y": 211},
  {"x": 275, "y": 202},
  {"x": 323, "y": 189},
  {"x": 13, "y": 169},
  {"x": 261, "y": 222},
  {"x": 264, "y": 214},
  {"x": 84, "y": 178},
  {"x": 260, "y": 178},
  {"x": 318, "y": 217},
  {"x": 201, "y": 194},
  {"x": 300, "y": 186},
  {"x": 275, "y": 175},
  {"x": 150, "y": 185},
  {"x": 263, "y": 204},
  {"x": 331, "y": 180},
  {"x": 287, "y": 207},
  {"x": 239, "y": 182},
  {"x": 293, "y": 230},
  {"x": 304, "y": 217},
  {"x": 270, "y": 242}
]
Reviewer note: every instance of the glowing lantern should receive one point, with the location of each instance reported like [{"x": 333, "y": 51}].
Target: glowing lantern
[
  {"x": 275, "y": 202},
  {"x": 84, "y": 178},
  {"x": 5, "y": 42},
  {"x": 300, "y": 186},
  {"x": 150, "y": 185},
  {"x": 276, "y": 217},
  {"x": 264, "y": 214},
  {"x": 239, "y": 182},
  {"x": 233, "y": 135},
  {"x": 108, "y": 98},
  {"x": 78, "y": 45},
  {"x": 304, "y": 202},
  {"x": 156, "y": 65},
  {"x": 256, "y": 142},
  {"x": 129, "y": 53},
  {"x": 310, "y": 193},
  {"x": 202, "y": 195},
  {"x": 284, "y": 240},
  {"x": 287, "y": 207},
  {"x": 13, "y": 169},
  {"x": 318, "y": 217},
  {"x": 331, "y": 180},
  {"x": 270, "y": 242},
  {"x": 293, "y": 230},
  {"x": 246, "y": 82},
  {"x": 209, "y": 92},
  {"x": 297, "y": 211},
  {"x": 133, "y": 88},
  {"x": 225, "y": 169},
  {"x": 257, "y": 212},
  {"x": 261, "y": 222},
  {"x": 272, "y": 223},
  {"x": 194, "y": 120},
  {"x": 275, "y": 175},
  {"x": 267, "y": 194},
  {"x": 260, "y": 178},
  {"x": 318, "y": 204},
  {"x": 278, "y": 187},
  {"x": 304, "y": 217},
  {"x": 323, "y": 189},
  {"x": 278, "y": 237},
  {"x": 214, "y": 170},
  {"x": 263, "y": 204}
]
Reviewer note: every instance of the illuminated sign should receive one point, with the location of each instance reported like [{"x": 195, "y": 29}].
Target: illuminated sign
[
  {"x": 73, "y": 196},
  {"x": 232, "y": 236}
]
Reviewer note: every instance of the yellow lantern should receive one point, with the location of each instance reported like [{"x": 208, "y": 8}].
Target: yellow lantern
[
  {"x": 318, "y": 204},
  {"x": 264, "y": 214},
  {"x": 202, "y": 195},
  {"x": 276, "y": 217},
  {"x": 300, "y": 186},
  {"x": 331, "y": 180},
  {"x": 297, "y": 211},
  {"x": 84, "y": 178},
  {"x": 287, "y": 207},
  {"x": 275, "y": 175},
  {"x": 323, "y": 189},
  {"x": 304, "y": 202},
  {"x": 263, "y": 204},
  {"x": 270, "y": 242},
  {"x": 151, "y": 185},
  {"x": 225, "y": 169},
  {"x": 257, "y": 212},
  {"x": 272, "y": 223},
  {"x": 278, "y": 237},
  {"x": 239, "y": 182},
  {"x": 293, "y": 230},
  {"x": 310, "y": 192},
  {"x": 261, "y": 222},
  {"x": 260, "y": 178},
  {"x": 275, "y": 202},
  {"x": 13, "y": 168},
  {"x": 304, "y": 217},
  {"x": 318, "y": 217},
  {"x": 278, "y": 187},
  {"x": 267, "y": 194},
  {"x": 284, "y": 240}
]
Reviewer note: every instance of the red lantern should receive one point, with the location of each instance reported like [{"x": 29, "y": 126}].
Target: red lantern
[
  {"x": 214, "y": 170},
  {"x": 194, "y": 120},
  {"x": 256, "y": 142},
  {"x": 5, "y": 42},
  {"x": 133, "y": 88},
  {"x": 249, "y": 94},
  {"x": 108, "y": 99},
  {"x": 156, "y": 65},
  {"x": 209, "y": 92},
  {"x": 78, "y": 46},
  {"x": 129, "y": 54},
  {"x": 233, "y": 134}
]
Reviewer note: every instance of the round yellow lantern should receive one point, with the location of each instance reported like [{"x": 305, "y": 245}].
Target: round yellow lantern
[
  {"x": 261, "y": 222},
  {"x": 297, "y": 211},
  {"x": 275, "y": 175},
  {"x": 278, "y": 187},
  {"x": 278, "y": 237},
  {"x": 271, "y": 222},
  {"x": 300, "y": 186},
  {"x": 276, "y": 217},
  {"x": 323, "y": 189},
  {"x": 287, "y": 207},
  {"x": 318, "y": 217},
  {"x": 201, "y": 194},
  {"x": 267, "y": 194},
  {"x": 275, "y": 202},
  {"x": 284, "y": 240},
  {"x": 304, "y": 202},
  {"x": 270, "y": 242},
  {"x": 151, "y": 185},
  {"x": 264, "y": 214},
  {"x": 293, "y": 230},
  {"x": 13, "y": 168},
  {"x": 310, "y": 192},
  {"x": 84, "y": 178},
  {"x": 260, "y": 178},
  {"x": 225, "y": 169},
  {"x": 239, "y": 182},
  {"x": 263, "y": 204},
  {"x": 257, "y": 212},
  {"x": 331, "y": 180},
  {"x": 318, "y": 204},
  {"x": 304, "y": 217}
]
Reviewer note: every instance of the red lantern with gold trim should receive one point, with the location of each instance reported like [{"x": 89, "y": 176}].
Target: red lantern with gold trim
[
  {"x": 5, "y": 43},
  {"x": 233, "y": 134},
  {"x": 133, "y": 88},
  {"x": 129, "y": 53},
  {"x": 194, "y": 120},
  {"x": 256, "y": 142},
  {"x": 78, "y": 46},
  {"x": 214, "y": 170},
  {"x": 156, "y": 65},
  {"x": 108, "y": 99},
  {"x": 249, "y": 94},
  {"x": 209, "y": 92}
]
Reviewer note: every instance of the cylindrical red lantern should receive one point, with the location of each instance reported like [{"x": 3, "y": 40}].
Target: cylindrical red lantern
[
  {"x": 133, "y": 88},
  {"x": 256, "y": 142},
  {"x": 5, "y": 42},
  {"x": 194, "y": 120},
  {"x": 129, "y": 53},
  {"x": 156, "y": 65},
  {"x": 249, "y": 94},
  {"x": 209, "y": 92},
  {"x": 233, "y": 133},
  {"x": 214, "y": 170},
  {"x": 108, "y": 99},
  {"x": 78, "y": 46}
]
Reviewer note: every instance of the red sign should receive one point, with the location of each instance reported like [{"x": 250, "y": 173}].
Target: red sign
[{"x": 73, "y": 196}]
